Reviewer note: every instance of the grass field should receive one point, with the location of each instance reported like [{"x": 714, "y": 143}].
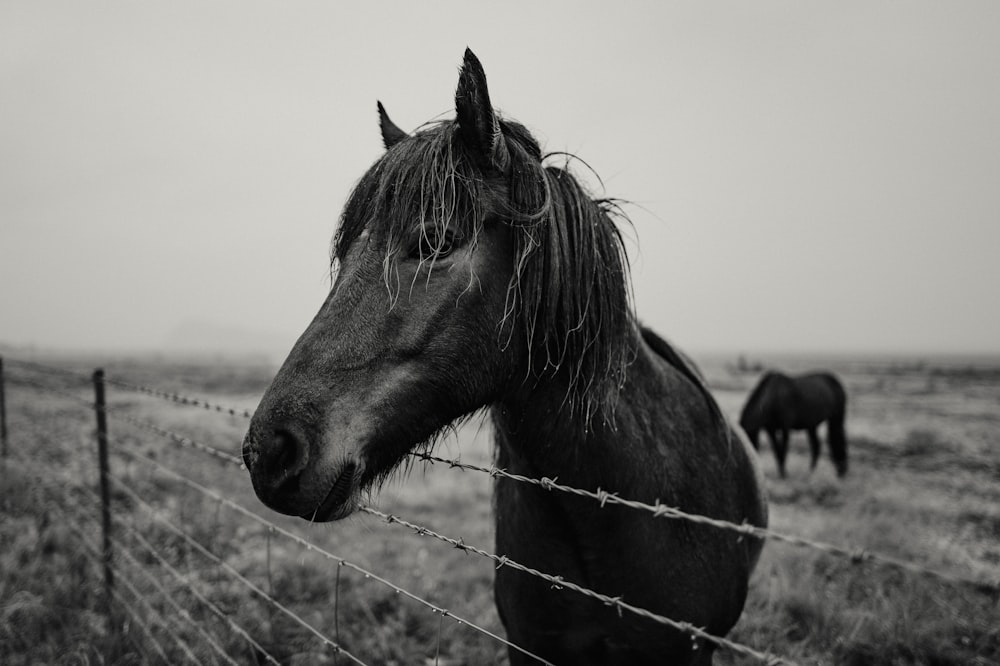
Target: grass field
[{"x": 924, "y": 487}]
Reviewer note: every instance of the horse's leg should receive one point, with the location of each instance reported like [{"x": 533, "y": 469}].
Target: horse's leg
[
  {"x": 813, "y": 448},
  {"x": 780, "y": 447},
  {"x": 783, "y": 449}
]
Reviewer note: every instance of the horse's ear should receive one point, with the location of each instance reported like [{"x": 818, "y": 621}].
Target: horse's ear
[
  {"x": 477, "y": 122},
  {"x": 391, "y": 134}
]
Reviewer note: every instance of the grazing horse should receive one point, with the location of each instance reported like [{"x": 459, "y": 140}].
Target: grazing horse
[
  {"x": 471, "y": 275},
  {"x": 779, "y": 404}
]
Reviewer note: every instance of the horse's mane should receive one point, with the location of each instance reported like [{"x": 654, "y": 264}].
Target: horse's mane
[{"x": 569, "y": 289}]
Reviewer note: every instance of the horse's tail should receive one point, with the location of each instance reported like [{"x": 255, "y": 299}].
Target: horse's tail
[{"x": 836, "y": 432}]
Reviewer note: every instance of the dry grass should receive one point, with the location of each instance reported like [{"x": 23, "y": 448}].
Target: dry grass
[{"x": 923, "y": 487}]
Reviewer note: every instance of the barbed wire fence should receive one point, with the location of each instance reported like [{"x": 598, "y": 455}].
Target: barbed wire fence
[{"x": 118, "y": 556}]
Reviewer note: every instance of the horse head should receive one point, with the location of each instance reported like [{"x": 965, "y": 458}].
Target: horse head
[{"x": 453, "y": 287}]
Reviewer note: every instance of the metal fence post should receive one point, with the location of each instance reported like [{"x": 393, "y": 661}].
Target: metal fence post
[
  {"x": 3, "y": 415},
  {"x": 102, "y": 460}
]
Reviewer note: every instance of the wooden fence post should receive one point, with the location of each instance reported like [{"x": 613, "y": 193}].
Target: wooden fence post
[
  {"x": 3, "y": 416},
  {"x": 102, "y": 460}
]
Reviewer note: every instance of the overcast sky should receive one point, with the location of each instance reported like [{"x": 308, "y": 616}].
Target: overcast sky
[{"x": 807, "y": 176}]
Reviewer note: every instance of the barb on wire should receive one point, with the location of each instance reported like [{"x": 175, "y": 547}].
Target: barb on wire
[
  {"x": 157, "y": 515},
  {"x": 341, "y": 562},
  {"x": 137, "y": 388},
  {"x": 181, "y": 399},
  {"x": 558, "y": 582},
  {"x": 177, "y": 437},
  {"x": 686, "y": 627},
  {"x": 854, "y": 554}
]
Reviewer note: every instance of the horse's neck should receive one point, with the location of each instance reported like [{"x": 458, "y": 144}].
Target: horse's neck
[{"x": 539, "y": 434}]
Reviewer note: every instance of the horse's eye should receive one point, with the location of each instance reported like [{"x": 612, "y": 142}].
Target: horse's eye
[{"x": 432, "y": 242}]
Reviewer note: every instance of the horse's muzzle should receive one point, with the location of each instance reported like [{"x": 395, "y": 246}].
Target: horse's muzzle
[{"x": 276, "y": 465}]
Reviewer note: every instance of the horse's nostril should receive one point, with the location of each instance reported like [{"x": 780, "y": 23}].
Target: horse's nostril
[
  {"x": 285, "y": 458},
  {"x": 285, "y": 450}
]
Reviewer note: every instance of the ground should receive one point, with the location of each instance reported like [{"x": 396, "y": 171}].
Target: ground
[{"x": 922, "y": 488}]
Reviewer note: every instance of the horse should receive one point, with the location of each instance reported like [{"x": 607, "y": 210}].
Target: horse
[
  {"x": 779, "y": 404},
  {"x": 472, "y": 274}
]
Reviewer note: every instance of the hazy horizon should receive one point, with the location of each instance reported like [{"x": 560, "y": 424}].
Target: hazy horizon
[{"x": 805, "y": 178}]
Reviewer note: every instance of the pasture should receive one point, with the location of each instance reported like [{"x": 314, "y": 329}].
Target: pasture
[{"x": 923, "y": 487}]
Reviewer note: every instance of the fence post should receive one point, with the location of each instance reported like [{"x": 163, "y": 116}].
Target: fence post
[
  {"x": 102, "y": 460},
  {"x": 3, "y": 415}
]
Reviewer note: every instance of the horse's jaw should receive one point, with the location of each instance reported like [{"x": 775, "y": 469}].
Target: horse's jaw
[{"x": 343, "y": 498}]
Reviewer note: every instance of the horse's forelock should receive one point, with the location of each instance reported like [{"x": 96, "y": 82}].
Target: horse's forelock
[{"x": 423, "y": 180}]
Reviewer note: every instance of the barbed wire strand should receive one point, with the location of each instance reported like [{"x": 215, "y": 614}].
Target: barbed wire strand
[
  {"x": 342, "y": 562},
  {"x": 160, "y": 620},
  {"x": 186, "y": 442},
  {"x": 121, "y": 549},
  {"x": 89, "y": 552},
  {"x": 143, "y": 626},
  {"x": 118, "y": 412},
  {"x": 617, "y": 602},
  {"x": 31, "y": 381},
  {"x": 122, "y": 579},
  {"x": 854, "y": 554},
  {"x": 157, "y": 514},
  {"x": 180, "y": 398},
  {"x": 48, "y": 369},
  {"x": 151, "y": 549},
  {"x": 179, "y": 577},
  {"x": 558, "y": 582},
  {"x": 96, "y": 559},
  {"x": 175, "y": 397}
]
